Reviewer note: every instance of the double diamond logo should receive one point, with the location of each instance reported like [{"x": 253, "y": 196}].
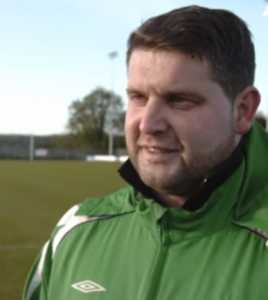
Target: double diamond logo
[{"x": 88, "y": 286}]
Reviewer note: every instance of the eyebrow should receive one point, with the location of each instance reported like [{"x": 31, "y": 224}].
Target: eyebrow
[
  {"x": 173, "y": 93},
  {"x": 184, "y": 94},
  {"x": 168, "y": 94}
]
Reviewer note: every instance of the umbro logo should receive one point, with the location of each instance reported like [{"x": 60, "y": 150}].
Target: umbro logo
[{"x": 88, "y": 286}]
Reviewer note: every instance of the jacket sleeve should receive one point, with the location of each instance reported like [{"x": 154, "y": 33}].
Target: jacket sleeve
[{"x": 37, "y": 283}]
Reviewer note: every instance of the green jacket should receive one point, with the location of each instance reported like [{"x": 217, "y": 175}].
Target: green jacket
[{"x": 128, "y": 247}]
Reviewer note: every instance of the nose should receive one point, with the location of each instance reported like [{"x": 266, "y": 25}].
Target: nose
[{"x": 153, "y": 118}]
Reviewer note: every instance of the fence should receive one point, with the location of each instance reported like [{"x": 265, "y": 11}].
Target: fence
[
  {"x": 29, "y": 147},
  {"x": 41, "y": 147}
]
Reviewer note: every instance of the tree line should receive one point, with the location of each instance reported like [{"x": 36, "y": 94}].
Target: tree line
[{"x": 92, "y": 119}]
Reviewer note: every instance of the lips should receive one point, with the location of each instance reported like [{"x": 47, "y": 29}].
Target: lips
[{"x": 157, "y": 149}]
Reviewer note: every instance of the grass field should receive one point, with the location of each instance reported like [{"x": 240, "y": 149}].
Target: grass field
[{"x": 33, "y": 197}]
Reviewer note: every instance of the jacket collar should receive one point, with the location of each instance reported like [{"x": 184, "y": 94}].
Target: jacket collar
[{"x": 252, "y": 207}]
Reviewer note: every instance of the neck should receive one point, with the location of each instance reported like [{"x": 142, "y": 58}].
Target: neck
[{"x": 171, "y": 200}]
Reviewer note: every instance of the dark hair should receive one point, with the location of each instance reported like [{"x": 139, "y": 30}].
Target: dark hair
[{"x": 215, "y": 35}]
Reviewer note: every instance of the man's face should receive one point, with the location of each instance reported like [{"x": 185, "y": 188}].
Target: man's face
[{"x": 179, "y": 123}]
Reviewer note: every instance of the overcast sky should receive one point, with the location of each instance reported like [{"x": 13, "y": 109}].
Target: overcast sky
[{"x": 53, "y": 52}]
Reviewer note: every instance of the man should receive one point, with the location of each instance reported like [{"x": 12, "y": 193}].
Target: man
[{"x": 193, "y": 221}]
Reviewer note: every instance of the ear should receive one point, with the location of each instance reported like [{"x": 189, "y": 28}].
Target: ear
[{"x": 245, "y": 107}]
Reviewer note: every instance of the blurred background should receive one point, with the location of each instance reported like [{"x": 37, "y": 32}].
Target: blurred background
[{"x": 62, "y": 108}]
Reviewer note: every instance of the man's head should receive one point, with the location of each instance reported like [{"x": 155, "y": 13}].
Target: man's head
[
  {"x": 217, "y": 36},
  {"x": 184, "y": 116}
]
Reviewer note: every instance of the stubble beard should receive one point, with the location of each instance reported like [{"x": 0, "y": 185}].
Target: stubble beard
[
  {"x": 168, "y": 179},
  {"x": 183, "y": 177}
]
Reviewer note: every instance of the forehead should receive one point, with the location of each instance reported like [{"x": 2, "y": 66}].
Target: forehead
[{"x": 161, "y": 68}]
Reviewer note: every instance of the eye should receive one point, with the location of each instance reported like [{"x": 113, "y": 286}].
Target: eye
[
  {"x": 137, "y": 98},
  {"x": 182, "y": 102}
]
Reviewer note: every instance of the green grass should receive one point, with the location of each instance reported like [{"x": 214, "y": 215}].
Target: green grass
[{"x": 34, "y": 195}]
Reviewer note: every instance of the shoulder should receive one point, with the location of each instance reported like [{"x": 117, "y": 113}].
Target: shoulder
[
  {"x": 94, "y": 209},
  {"x": 120, "y": 201}
]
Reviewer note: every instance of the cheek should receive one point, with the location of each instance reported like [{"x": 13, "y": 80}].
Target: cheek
[
  {"x": 209, "y": 131},
  {"x": 195, "y": 131}
]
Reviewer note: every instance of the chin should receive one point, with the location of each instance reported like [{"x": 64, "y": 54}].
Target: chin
[{"x": 156, "y": 181}]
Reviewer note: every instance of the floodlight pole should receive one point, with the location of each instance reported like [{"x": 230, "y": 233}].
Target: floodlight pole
[
  {"x": 112, "y": 55},
  {"x": 111, "y": 141},
  {"x": 31, "y": 148}
]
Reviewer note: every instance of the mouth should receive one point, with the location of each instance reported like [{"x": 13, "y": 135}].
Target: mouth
[
  {"x": 158, "y": 150},
  {"x": 158, "y": 154}
]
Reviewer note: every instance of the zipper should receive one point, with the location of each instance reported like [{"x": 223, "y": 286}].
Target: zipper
[{"x": 153, "y": 280}]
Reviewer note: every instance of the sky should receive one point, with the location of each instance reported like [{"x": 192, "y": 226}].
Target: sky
[{"x": 54, "y": 52}]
